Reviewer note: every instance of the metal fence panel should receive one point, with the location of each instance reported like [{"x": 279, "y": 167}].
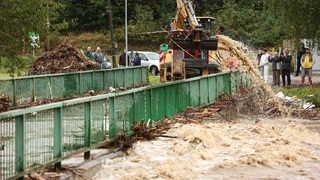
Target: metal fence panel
[
  {"x": 148, "y": 104},
  {"x": 124, "y": 112},
  {"x": 137, "y": 76},
  {"x": 140, "y": 106},
  {"x": 97, "y": 125},
  {"x": 227, "y": 84},
  {"x": 172, "y": 99},
  {"x": 119, "y": 78},
  {"x": 7, "y": 87},
  {"x": 213, "y": 93},
  {"x": 57, "y": 86},
  {"x": 158, "y": 103},
  {"x": 23, "y": 90},
  {"x": 73, "y": 128},
  {"x": 86, "y": 82},
  {"x": 204, "y": 91},
  {"x": 72, "y": 84},
  {"x": 98, "y": 80},
  {"x": 128, "y": 78},
  {"x": 143, "y": 77},
  {"x": 184, "y": 95},
  {"x": 42, "y": 91},
  {"x": 39, "y": 133},
  {"x": 43, "y": 134},
  {"x": 195, "y": 93},
  {"x": 7, "y": 146}
]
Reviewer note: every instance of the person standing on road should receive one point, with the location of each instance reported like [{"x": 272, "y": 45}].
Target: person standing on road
[
  {"x": 301, "y": 51},
  {"x": 286, "y": 66},
  {"x": 276, "y": 65},
  {"x": 89, "y": 53},
  {"x": 264, "y": 61},
  {"x": 98, "y": 56},
  {"x": 307, "y": 61},
  {"x": 137, "y": 60},
  {"x": 122, "y": 59}
]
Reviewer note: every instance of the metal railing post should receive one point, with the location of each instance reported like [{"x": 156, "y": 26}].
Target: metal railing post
[
  {"x": 19, "y": 144},
  {"x": 87, "y": 127},
  {"x": 57, "y": 136},
  {"x": 112, "y": 117}
]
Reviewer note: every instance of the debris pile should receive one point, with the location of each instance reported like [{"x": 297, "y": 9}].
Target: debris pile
[
  {"x": 51, "y": 172},
  {"x": 148, "y": 131},
  {"x": 254, "y": 102},
  {"x": 5, "y": 102},
  {"x": 63, "y": 59}
]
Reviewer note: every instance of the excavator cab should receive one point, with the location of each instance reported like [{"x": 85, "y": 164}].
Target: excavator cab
[{"x": 192, "y": 42}]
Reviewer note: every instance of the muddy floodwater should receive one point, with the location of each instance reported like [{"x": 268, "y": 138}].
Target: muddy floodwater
[{"x": 244, "y": 149}]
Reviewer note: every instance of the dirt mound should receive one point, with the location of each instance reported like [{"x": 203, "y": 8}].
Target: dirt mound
[{"x": 64, "y": 58}]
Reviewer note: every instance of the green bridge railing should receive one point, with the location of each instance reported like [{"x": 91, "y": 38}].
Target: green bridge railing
[
  {"x": 36, "y": 137},
  {"x": 23, "y": 90}
]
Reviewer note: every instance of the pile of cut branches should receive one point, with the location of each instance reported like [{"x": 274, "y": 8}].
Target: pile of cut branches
[
  {"x": 5, "y": 102},
  {"x": 64, "y": 58}
]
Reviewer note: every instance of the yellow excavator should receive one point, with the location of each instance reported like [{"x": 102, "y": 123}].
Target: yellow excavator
[{"x": 192, "y": 43}]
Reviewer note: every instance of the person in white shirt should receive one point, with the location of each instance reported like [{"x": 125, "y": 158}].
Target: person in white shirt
[{"x": 264, "y": 61}]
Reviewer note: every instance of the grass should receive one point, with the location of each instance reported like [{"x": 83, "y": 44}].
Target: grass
[
  {"x": 4, "y": 74},
  {"x": 154, "y": 79}
]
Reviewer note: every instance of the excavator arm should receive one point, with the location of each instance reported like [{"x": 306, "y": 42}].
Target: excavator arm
[
  {"x": 185, "y": 11},
  {"x": 196, "y": 37}
]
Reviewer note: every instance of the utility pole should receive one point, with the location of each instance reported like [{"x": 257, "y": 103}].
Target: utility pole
[
  {"x": 126, "y": 31},
  {"x": 48, "y": 25},
  {"x": 111, "y": 32}
]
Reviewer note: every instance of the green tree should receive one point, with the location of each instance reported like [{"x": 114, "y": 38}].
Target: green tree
[
  {"x": 298, "y": 20},
  {"x": 250, "y": 22},
  {"x": 17, "y": 19}
]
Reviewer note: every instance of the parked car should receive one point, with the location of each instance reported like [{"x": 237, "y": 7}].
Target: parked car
[{"x": 150, "y": 59}]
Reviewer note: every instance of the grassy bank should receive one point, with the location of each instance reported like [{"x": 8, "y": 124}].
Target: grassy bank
[{"x": 301, "y": 93}]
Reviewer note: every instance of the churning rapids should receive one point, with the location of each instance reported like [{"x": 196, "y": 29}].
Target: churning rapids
[
  {"x": 237, "y": 150},
  {"x": 242, "y": 149}
]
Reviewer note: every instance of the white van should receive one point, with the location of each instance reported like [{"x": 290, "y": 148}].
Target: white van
[{"x": 150, "y": 59}]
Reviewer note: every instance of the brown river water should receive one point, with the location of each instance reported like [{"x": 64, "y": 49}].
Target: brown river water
[{"x": 241, "y": 149}]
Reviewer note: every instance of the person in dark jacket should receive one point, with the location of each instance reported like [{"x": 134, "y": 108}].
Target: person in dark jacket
[
  {"x": 122, "y": 59},
  {"x": 276, "y": 65},
  {"x": 137, "y": 60},
  {"x": 286, "y": 66},
  {"x": 259, "y": 55},
  {"x": 301, "y": 51},
  {"x": 89, "y": 53}
]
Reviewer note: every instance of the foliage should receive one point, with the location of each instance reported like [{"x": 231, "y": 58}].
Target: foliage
[
  {"x": 143, "y": 22},
  {"x": 17, "y": 19},
  {"x": 298, "y": 20},
  {"x": 249, "y": 22}
]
